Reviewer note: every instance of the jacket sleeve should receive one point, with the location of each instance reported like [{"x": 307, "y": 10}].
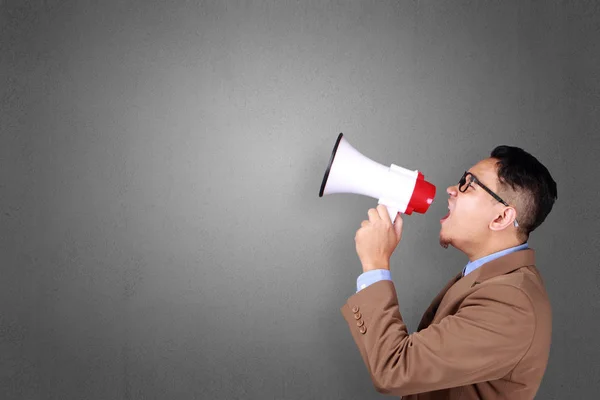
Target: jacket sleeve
[{"x": 484, "y": 340}]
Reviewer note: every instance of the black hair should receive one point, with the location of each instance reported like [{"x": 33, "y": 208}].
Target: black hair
[{"x": 531, "y": 181}]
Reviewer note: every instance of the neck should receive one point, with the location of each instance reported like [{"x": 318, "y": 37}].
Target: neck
[{"x": 480, "y": 251}]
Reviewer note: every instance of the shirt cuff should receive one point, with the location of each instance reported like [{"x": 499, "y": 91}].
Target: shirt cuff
[{"x": 370, "y": 277}]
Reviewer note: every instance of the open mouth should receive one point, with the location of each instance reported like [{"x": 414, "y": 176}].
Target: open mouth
[{"x": 446, "y": 216}]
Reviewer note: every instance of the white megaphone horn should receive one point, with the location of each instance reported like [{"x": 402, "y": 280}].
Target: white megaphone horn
[{"x": 399, "y": 189}]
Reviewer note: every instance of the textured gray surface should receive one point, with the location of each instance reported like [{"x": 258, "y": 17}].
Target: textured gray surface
[{"x": 161, "y": 234}]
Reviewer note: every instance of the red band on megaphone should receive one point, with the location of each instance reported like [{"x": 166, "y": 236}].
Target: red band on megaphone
[{"x": 422, "y": 196}]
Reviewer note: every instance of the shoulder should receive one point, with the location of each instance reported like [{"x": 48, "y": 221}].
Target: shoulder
[
  {"x": 522, "y": 288},
  {"x": 526, "y": 280}
]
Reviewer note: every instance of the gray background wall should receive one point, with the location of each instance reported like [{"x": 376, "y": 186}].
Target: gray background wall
[{"x": 161, "y": 234}]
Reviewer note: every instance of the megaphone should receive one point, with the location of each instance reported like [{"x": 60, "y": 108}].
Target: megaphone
[{"x": 399, "y": 189}]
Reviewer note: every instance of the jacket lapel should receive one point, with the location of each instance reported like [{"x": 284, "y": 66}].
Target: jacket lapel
[{"x": 430, "y": 313}]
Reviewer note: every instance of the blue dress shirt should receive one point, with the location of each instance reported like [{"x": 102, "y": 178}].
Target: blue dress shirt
[{"x": 370, "y": 277}]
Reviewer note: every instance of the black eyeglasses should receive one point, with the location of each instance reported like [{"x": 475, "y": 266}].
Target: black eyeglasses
[{"x": 468, "y": 178}]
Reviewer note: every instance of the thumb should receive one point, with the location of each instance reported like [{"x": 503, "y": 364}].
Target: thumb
[{"x": 398, "y": 223}]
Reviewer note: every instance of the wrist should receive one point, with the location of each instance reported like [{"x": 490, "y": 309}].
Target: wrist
[{"x": 370, "y": 266}]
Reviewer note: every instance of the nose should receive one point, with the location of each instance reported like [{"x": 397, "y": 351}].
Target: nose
[{"x": 452, "y": 190}]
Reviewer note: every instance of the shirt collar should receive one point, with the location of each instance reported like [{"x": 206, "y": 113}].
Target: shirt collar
[{"x": 473, "y": 265}]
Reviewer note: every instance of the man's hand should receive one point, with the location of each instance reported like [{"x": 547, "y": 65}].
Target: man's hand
[{"x": 377, "y": 239}]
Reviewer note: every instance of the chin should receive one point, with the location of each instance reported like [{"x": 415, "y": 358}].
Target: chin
[
  {"x": 445, "y": 239},
  {"x": 445, "y": 242}
]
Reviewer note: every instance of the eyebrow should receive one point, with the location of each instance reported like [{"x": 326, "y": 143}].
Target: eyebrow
[
  {"x": 474, "y": 176},
  {"x": 477, "y": 181}
]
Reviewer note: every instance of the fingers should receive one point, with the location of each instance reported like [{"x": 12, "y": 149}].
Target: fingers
[
  {"x": 380, "y": 213},
  {"x": 373, "y": 215},
  {"x": 398, "y": 223},
  {"x": 383, "y": 212}
]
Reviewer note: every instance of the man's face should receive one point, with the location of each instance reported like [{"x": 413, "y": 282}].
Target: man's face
[{"x": 471, "y": 212}]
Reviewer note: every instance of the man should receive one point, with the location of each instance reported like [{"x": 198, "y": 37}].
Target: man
[{"x": 487, "y": 334}]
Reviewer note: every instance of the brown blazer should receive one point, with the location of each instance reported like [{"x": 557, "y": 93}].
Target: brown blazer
[{"x": 485, "y": 336}]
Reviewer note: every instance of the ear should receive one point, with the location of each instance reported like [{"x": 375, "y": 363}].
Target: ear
[{"x": 504, "y": 219}]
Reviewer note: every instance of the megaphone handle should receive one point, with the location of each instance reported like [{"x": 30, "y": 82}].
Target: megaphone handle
[{"x": 393, "y": 213}]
